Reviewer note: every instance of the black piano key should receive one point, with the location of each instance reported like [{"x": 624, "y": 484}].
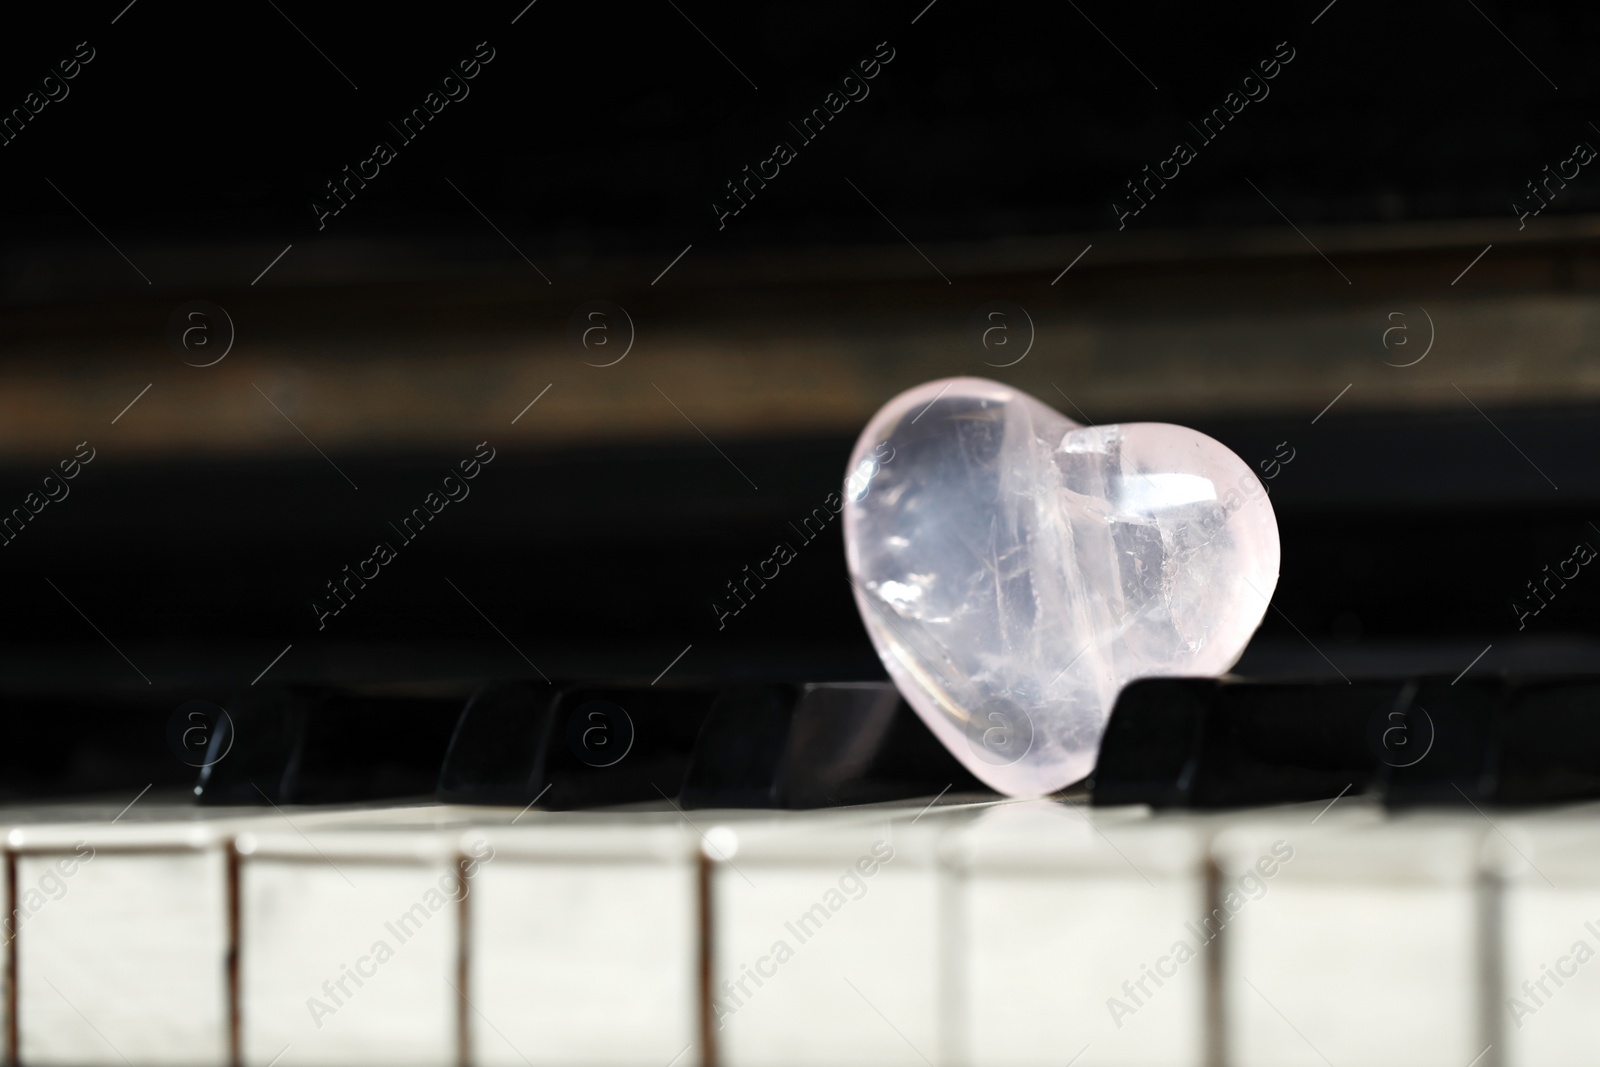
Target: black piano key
[
  {"x": 1494, "y": 741},
  {"x": 817, "y": 745},
  {"x": 1549, "y": 743},
  {"x": 319, "y": 746},
  {"x": 1269, "y": 743},
  {"x": 371, "y": 747},
  {"x": 1450, "y": 748},
  {"x": 1151, "y": 746},
  {"x": 1209, "y": 743},
  {"x": 580, "y": 746},
  {"x": 607, "y": 745},
  {"x": 493, "y": 756},
  {"x": 251, "y": 742},
  {"x": 833, "y": 761},
  {"x": 739, "y": 755}
]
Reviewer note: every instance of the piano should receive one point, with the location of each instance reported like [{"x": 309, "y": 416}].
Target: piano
[
  {"x": 460, "y": 827},
  {"x": 798, "y": 874},
  {"x": 386, "y": 684}
]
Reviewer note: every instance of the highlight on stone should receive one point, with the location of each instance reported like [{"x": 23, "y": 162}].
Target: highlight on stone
[{"x": 1015, "y": 569}]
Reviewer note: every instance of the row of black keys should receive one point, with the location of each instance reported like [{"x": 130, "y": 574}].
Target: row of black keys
[
  {"x": 1201, "y": 743},
  {"x": 579, "y": 746},
  {"x": 1198, "y": 743}
]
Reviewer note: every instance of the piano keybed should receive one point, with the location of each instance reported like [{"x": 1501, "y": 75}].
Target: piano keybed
[{"x": 957, "y": 933}]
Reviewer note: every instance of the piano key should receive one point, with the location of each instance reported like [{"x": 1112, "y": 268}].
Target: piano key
[
  {"x": 1496, "y": 741},
  {"x": 1544, "y": 1000},
  {"x": 1009, "y": 940},
  {"x": 1208, "y": 743},
  {"x": 826, "y": 938},
  {"x": 124, "y": 929},
  {"x": 1352, "y": 939},
  {"x": 1450, "y": 732},
  {"x": 1077, "y": 932},
  {"x": 817, "y": 745},
  {"x": 1153, "y": 743},
  {"x": 584, "y": 942},
  {"x": 127, "y": 953},
  {"x": 1202, "y": 743},
  {"x": 493, "y": 754},
  {"x": 360, "y": 747},
  {"x": 319, "y": 746},
  {"x": 27, "y": 900},
  {"x": 350, "y": 938},
  {"x": 252, "y": 743},
  {"x": 1549, "y": 742},
  {"x": 583, "y": 746},
  {"x": 621, "y": 744}
]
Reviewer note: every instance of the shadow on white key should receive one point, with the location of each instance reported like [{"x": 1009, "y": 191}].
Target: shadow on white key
[
  {"x": 826, "y": 939},
  {"x": 585, "y": 946},
  {"x": 1363, "y": 947},
  {"x": 349, "y": 940},
  {"x": 1549, "y": 990},
  {"x": 1077, "y": 938}
]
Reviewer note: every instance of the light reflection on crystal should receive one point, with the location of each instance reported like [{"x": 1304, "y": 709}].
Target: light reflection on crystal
[{"x": 899, "y": 594}]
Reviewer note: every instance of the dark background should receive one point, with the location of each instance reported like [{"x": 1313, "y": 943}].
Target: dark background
[{"x": 601, "y": 128}]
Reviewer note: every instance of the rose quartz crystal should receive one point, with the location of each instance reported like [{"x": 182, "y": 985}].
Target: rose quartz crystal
[{"x": 1015, "y": 569}]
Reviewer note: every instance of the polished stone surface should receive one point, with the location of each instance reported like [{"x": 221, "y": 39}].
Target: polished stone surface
[{"x": 1014, "y": 569}]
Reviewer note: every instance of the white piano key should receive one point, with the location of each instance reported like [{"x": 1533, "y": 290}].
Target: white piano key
[
  {"x": 121, "y": 933},
  {"x": 1077, "y": 937},
  {"x": 1548, "y": 993},
  {"x": 133, "y": 935},
  {"x": 123, "y": 929},
  {"x": 350, "y": 940},
  {"x": 585, "y": 942},
  {"x": 826, "y": 940},
  {"x": 1364, "y": 945}
]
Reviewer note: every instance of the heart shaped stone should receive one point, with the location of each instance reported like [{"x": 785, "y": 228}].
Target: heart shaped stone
[{"x": 1015, "y": 569}]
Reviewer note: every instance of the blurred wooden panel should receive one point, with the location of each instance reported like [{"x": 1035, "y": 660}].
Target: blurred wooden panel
[{"x": 439, "y": 350}]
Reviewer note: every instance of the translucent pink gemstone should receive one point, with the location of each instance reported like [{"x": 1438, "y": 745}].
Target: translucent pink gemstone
[{"x": 1015, "y": 569}]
